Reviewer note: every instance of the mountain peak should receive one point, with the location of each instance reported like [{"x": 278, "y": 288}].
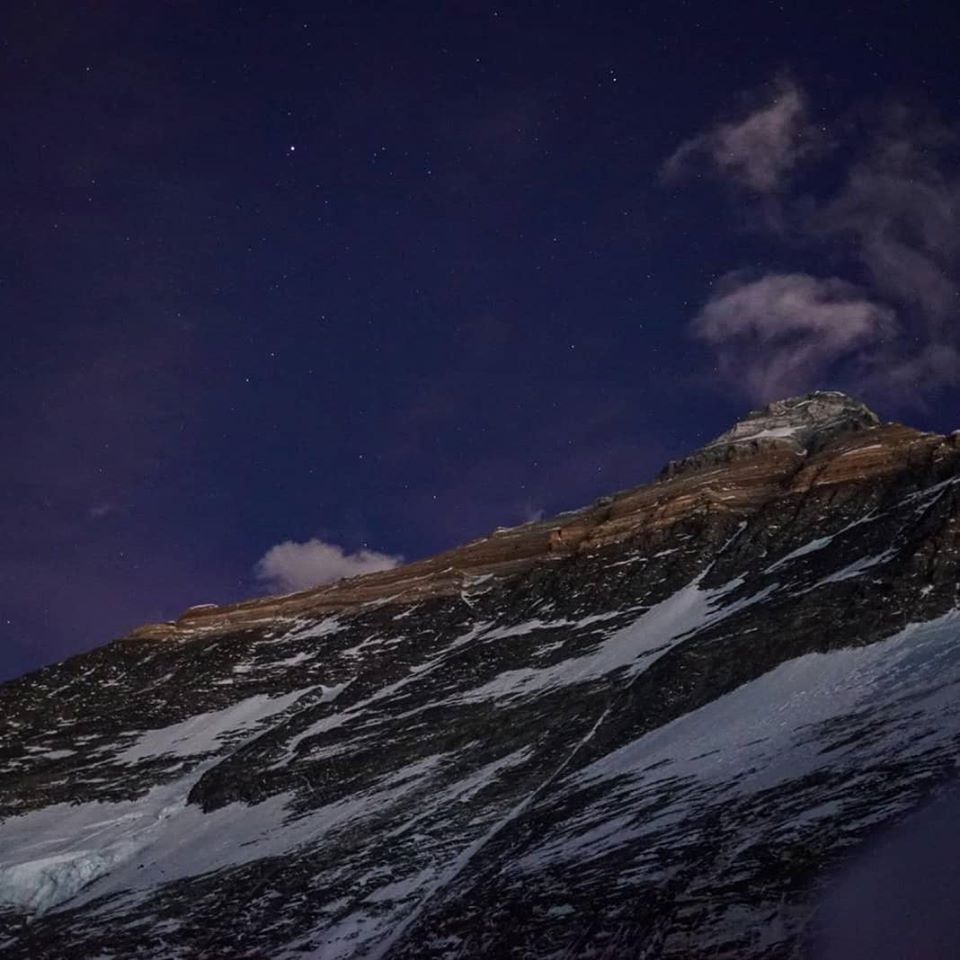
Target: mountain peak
[
  {"x": 805, "y": 424},
  {"x": 816, "y": 416}
]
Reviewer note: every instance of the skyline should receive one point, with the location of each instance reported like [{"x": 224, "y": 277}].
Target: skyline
[{"x": 384, "y": 280}]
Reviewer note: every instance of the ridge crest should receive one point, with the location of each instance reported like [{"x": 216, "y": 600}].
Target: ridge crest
[{"x": 803, "y": 424}]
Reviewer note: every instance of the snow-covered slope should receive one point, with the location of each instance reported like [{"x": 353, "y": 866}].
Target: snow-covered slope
[{"x": 648, "y": 729}]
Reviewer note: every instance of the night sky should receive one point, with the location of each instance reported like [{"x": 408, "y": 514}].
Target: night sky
[{"x": 290, "y": 290}]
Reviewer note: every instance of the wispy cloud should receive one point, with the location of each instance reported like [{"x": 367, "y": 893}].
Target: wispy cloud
[
  {"x": 773, "y": 334},
  {"x": 899, "y": 212},
  {"x": 758, "y": 149},
  {"x": 893, "y": 225},
  {"x": 292, "y": 566}
]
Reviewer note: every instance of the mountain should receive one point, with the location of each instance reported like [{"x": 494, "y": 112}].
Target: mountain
[{"x": 650, "y": 728}]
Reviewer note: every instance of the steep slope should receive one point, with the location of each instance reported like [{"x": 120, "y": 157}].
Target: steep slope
[{"x": 649, "y": 728}]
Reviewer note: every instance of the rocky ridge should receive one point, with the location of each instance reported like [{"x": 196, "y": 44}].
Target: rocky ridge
[
  {"x": 648, "y": 728},
  {"x": 770, "y": 444}
]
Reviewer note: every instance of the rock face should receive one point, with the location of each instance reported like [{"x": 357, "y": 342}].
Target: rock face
[
  {"x": 650, "y": 728},
  {"x": 802, "y": 424}
]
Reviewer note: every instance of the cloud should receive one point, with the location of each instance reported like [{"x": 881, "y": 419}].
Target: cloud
[
  {"x": 292, "y": 566},
  {"x": 774, "y": 335},
  {"x": 100, "y": 510},
  {"x": 893, "y": 226},
  {"x": 758, "y": 150},
  {"x": 532, "y": 514},
  {"x": 899, "y": 213}
]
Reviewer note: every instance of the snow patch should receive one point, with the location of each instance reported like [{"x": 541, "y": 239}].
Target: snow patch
[
  {"x": 810, "y": 547},
  {"x": 630, "y": 648},
  {"x": 730, "y": 733},
  {"x": 207, "y": 732},
  {"x": 858, "y": 567},
  {"x": 763, "y": 734},
  {"x": 49, "y": 855}
]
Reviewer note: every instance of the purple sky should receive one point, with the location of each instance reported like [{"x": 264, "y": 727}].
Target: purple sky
[{"x": 384, "y": 277}]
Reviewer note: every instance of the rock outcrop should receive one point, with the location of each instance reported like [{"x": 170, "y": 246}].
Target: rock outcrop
[{"x": 803, "y": 425}]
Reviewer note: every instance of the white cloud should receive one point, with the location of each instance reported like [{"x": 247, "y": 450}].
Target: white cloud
[
  {"x": 532, "y": 514},
  {"x": 292, "y": 566},
  {"x": 777, "y": 335},
  {"x": 894, "y": 224},
  {"x": 901, "y": 210},
  {"x": 756, "y": 151}
]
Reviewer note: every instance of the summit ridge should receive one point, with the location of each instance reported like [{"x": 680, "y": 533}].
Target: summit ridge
[
  {"x": 788, "y": 442},
  {"x": 810, "y": 420},
  {"x": 803, "y": 424}
]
